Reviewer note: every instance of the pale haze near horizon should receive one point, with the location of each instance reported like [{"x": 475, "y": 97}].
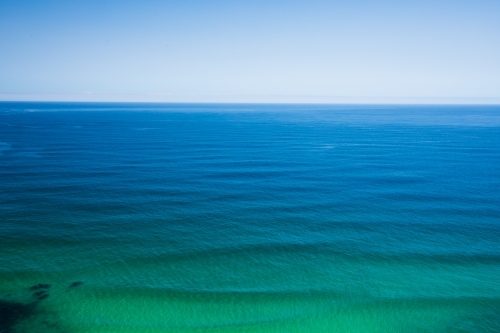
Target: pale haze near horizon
[{"x": 251, "y": 51}]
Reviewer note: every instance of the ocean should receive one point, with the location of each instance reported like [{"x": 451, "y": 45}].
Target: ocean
[{"x": 249, "y": 218}]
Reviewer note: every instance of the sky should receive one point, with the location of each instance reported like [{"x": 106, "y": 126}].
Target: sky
[{"x": 440, "y": 51}]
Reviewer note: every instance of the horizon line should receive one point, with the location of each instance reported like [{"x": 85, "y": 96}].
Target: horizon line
[
  {"x": 250, "y": 103},
  {"x": 239, "y": 99}
]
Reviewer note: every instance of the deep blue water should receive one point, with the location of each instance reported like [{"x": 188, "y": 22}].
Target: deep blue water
[{"x": 255, "y": 218}]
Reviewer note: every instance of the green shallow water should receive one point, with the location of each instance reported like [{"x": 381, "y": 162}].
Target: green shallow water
[
  {"x": 143, "y": 310},
  {"x": 214, "y": 218}
]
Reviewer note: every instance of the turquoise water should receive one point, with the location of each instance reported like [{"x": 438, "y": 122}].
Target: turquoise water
[{"x": 249, "y": 218}]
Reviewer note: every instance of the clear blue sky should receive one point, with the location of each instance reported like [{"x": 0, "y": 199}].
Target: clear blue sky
[{"x": 251, "y": 51}]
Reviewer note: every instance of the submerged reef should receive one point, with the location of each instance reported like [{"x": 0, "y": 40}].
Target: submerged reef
[
  {"x": 13, "y": 312},
  {"x": 40, "y": 286}
]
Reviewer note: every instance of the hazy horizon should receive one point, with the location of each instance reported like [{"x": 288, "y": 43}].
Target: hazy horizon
[{"x": 312, "y": 100}]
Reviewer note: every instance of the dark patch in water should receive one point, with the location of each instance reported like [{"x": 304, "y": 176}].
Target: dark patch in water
[
  {"x": 39, "y": 293},
  {"x": 40, "y": 286},
  {"x": 13, "y": 312}
]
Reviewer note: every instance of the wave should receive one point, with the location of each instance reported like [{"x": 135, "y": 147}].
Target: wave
[{"x": 4, "y": 146}]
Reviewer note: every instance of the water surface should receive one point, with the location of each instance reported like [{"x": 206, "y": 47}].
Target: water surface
[{"x": 249, "y": 218}]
